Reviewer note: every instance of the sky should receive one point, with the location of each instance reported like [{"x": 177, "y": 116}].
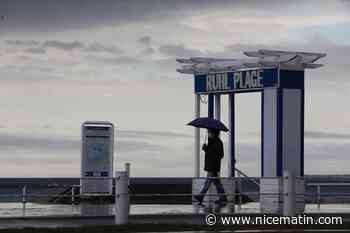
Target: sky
[{"x": 65, "y": 62}]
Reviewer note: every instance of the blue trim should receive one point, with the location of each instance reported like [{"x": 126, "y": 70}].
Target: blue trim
[
  {"x": 211, "y": 105},
  {"x": 262, "y": 133},
  {"x": 279, "y": 128},
  {"x": 293, "y": 79},
  {"x": 296, "y": 80},
  {"x": 302, "y": 132},
  {"x": 232, "y": 142}
]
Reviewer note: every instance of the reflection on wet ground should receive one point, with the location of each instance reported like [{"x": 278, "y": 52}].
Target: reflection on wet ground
[{"x": 34, "y": 209}]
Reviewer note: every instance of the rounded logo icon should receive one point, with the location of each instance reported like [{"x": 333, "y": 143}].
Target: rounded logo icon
[{"x": 210, "y": 219}]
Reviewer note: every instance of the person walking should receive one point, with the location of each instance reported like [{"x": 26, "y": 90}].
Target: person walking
[{"x": 214, "y": 152}]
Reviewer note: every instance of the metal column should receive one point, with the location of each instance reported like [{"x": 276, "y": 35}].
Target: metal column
[
  {"x": 217, "y": 106},
  {"x": 196, "y": 136},
  {"x": 231, "y": 136},
  {"x": 211, "y": 106}
]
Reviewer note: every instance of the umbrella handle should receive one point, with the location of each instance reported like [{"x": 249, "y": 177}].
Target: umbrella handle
[{"x": 205, "y": 137}]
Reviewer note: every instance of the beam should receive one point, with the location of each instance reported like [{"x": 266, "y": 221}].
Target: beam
[
  {"x": 196, "y": 136},
  {"x": 217, "y": 106},
  {"x": 211, "y": 106},
  {"x": 231, "y": 136}
]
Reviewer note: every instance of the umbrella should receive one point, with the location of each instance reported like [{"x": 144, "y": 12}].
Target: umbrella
[{"x": 208, "y": 123}]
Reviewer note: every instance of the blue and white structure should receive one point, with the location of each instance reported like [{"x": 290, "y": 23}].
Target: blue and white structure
[
  {"x": 97, "y": 157},
  {"x": 279, "y": 77}
]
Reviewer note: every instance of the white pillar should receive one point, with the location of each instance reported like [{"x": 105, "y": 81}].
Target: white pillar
[
  {"x": 289, "y": 200},
  {"x": 121, "y": 197},
  {"x": 217, "y": 106},
  {"x": 196, "y": 136}
]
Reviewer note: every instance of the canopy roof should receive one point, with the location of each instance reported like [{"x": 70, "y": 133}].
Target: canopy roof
[{"x": 261, "y": 58}]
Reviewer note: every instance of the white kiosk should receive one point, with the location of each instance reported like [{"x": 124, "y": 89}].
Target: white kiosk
[
  {"x": 97, "y": 157},
  {"x": 279, "y": 77}
]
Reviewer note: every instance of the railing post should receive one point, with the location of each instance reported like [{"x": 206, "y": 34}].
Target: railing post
[
  {"x": 239, "y": 192},
  {"x": 127, "y": 169},
  {"x": 289, "y": 200},
  {"x": 231, "y": 191},
  {"x": 72, "y": 195},
  {"x": 121, "y": 198},
  {"x": 318, "y": 196},
  {"x": 24, "y": 200}
]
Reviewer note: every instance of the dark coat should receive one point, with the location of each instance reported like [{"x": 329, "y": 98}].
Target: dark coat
[{"x": 214, "y": 152}]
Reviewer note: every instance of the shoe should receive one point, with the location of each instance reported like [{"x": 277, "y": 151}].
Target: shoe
[
  {"x": 222, "y": 200},
  {"x": 199, "y": 198}
]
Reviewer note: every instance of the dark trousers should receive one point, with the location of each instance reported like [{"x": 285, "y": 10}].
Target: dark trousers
[{"x": 213, "y": 177}]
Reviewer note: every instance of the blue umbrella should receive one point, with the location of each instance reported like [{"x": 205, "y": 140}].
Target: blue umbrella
[{"x": 208, "y": 123}]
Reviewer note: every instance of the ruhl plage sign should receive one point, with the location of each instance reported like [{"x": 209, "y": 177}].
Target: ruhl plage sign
[{"x": 237, "y": 81}]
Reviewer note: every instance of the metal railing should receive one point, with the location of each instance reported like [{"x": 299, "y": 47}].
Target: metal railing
[
  {"x": 241, "y": 173},
  {"x": 320, "y": 184},
  {"x": 25, "y": 196}
]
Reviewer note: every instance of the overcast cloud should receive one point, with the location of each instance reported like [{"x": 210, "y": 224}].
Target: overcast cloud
[{"x": 64, "y": 62}]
